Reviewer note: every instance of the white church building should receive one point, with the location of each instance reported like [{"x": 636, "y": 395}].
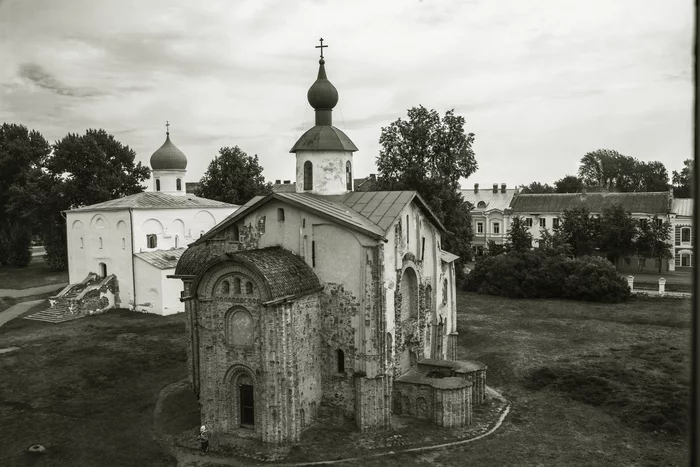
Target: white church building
[{"x": 140, "y": 238}]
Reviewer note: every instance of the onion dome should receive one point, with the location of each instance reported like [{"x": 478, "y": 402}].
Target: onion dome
[
  {"x": 168, "y": 157},
  {"x": 322, "y": 94}
]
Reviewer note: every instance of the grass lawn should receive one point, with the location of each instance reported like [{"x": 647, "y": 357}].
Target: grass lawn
[
  {"x": 86, "y": 389},
  {"x": 34, "y": 275}
]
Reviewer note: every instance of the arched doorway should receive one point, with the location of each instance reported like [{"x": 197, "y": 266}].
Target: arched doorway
[{"x": 242, "y": 399}]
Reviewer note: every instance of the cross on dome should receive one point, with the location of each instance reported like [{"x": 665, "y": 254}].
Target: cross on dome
[
  {"x": 167, "y": 128},
  {"x": 321, "y": 47}
]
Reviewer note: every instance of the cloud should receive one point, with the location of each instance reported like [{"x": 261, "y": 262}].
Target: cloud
[{"x": 36, "y": 74}]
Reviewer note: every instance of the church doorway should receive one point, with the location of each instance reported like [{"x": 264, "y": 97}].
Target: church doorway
[{"x": 247, "y": 405}]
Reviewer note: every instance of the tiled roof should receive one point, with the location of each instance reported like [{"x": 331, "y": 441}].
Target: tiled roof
[
  {"x": 498, "y": 201},
  {"x": 162, "y": 259},
  {"x": 155, "y": 200},
  {"x": 657, "y": 202},
  {"x": 682, "y": 207},
  {"x": 285, "y": 273},
  {"x": 284, "y": 187}
]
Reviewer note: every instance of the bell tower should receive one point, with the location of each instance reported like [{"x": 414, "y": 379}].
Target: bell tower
[
  {"x": 324, "y": 153},
  {"x": 169, "y": 166}
]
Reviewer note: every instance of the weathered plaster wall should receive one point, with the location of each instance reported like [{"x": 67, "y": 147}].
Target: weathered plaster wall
[
  {"x": 149, "y": 290},
  {"x": 328, "y": 171},
  {"x": 168, "y": 181},
  {"x": 171, "y": 293}
]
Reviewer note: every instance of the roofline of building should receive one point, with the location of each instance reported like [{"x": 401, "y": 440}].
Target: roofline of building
[{"x": 140, "y": 208}]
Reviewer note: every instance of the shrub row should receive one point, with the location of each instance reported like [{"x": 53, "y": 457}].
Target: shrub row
[{"x": 533, "y": 274}]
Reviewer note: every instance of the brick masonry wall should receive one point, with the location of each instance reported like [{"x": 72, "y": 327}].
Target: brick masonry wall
[{"x": 445, "y": 407}]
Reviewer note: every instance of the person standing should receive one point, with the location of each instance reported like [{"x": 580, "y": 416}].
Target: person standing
[{"x": 204, "y": 438}]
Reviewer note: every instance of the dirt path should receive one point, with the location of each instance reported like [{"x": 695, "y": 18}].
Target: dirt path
[
  {"x": 16, "y": 310},
  {"x": 19, "y": 293}
]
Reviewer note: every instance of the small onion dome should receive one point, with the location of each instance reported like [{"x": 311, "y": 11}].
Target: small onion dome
[
  {"x": 322, "y": 94},
  {"x": 168, "y": 157}
]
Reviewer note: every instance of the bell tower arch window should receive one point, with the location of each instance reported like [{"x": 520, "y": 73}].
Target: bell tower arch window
[
  {"x": 157, "y": 184},
  {"x": 348, "y": 175},
  {"x": 178, "y": 184},
  {"x": 308, "y": 175}
]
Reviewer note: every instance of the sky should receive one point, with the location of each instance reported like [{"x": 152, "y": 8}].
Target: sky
[{"x": 539, "y": 82}]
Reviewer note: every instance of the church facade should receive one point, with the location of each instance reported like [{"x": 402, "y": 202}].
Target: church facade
[
  {"x": 325, "y": 302},
  {"x": 135, "y": 242}
]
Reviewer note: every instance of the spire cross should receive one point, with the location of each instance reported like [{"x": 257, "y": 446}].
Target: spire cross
[
  {"x": 321, "y": 47},
  {"x": 167, "y": 128}
]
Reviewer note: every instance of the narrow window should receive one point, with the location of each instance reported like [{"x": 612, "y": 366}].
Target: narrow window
[
  {"x": 123, "y": 243},
  {"x": 225, "y": 287},
  {"x": 151, "y": 241},
  {"x": 480, "y": 227},
  {"x": 157, "y": 184},
  {"x": 176, "y": 240},
  {"x": 178, "y": 184},
  {"x": 543, "y": 222},
  {"x": 313, "y": 253},
  {"x": 341, "y": 361},
  {"x": 103, "y": 270},
  {"x": 444, "y": 292},
  {"x": 496, "y": 228},
  {"x": 348, "y": 176},
  {"x": 408, "y": 231},
  {"x": 236, "y": 285},
  {"x": 249, "y": 288},
  {"x": 82, "y": 243},
  {"x": 659, "y": 222},
  {"x": 308, "y": 175},
  {"x": 422, "y": 249},
  {"x": 555, "y": 223},
  {"x": 280, "y": 214},
  {"x": 100, "y": 241},
  {"x": 685, "y": 234},
  {"x": 303, "y": 223}
]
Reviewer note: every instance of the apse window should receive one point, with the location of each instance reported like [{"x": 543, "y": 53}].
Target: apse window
[{"x": 151, "y": 240}]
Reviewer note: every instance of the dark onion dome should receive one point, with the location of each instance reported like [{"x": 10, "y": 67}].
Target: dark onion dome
[
  {"x": 322, "y": 94},
  {"x": 168, "y": 157}
]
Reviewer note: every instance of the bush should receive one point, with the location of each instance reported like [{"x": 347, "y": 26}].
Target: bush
[
  {"x": 4, "y": 248},
  {"x": 19, "y": 246},
  {"x": 533, "y": 274},
  {"x": 56, "y": 248}
]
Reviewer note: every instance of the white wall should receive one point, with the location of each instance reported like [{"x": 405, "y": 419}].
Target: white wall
[
  {"x": 328, "y": 171},
  {"x": 149, "y": 290},
  {"x": 168, "y": 181},
  {"x": 171, "y": 292}
]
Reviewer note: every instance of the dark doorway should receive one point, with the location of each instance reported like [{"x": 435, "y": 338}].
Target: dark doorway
[{"x": 247, "y": 406}]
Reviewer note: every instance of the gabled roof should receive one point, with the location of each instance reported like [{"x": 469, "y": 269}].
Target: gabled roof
[
  {"x": 682, "y": 207},
  {"x": 162, "y": 259},
  {"x": 652, "y": 203},
  {"x": 493, "y": 201},
  {"x": 371, "y": 213},
  {"x": 154, "y": 200}
]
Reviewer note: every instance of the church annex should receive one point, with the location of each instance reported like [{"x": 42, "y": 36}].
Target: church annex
[{"x": 325, "y": 301}]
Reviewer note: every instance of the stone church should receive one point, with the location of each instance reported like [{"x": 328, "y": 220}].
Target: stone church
[{"x": 325, "y": 301}]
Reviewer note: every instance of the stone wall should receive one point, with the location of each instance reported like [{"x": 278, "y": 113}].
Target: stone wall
[{"x": 446, "y": 401}]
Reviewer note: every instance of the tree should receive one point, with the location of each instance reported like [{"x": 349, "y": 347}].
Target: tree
[
  {"x": 20, "y": 254},
  {"x": 553, "y": 243},
  {"x": 494, "y": 249},
  {"x": 683, "y": 180},
  {"x": 579, "y": 230},
  {"x": 430, "y": 154},
  {"x": 519, "y": 236},
  {"x": 608, "y": 169},
  {"x": 536, "y": 187},
  {"x": 233, "y": 177},
  {"x": 569, "y": 184},
  {"x": 653, "y": 241},
  {"x": 617, "y": 230}
]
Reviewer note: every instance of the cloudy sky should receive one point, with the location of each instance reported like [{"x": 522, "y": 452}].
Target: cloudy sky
[{"x": 539, "y": 82}]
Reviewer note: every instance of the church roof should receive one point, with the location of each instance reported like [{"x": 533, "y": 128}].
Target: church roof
[
  {"x": 371, "y": 212},
  {"x": 162, "y": 259},
  {"x": 168, "y": 157},
  {"x": 324, "y": 138},
  {"x": 682, "y": 207},
  {"x": 154, "y": 200},
  {"x": 285, "y": 273},
  {"x": 651, "y": 202}
]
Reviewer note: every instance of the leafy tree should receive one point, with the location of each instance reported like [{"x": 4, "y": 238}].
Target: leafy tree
[
  {"x": 579, "y": 230},
  {"x": 494, "y": 249},
  {"x": 430, "y": 154},
  {"x": 650, "y": 176},
  {"x": 569, "y": 184},
  {"x": 644, "y": 244},
  {"x": 617, "y": 230},
  {"x": 536, "y": 187},
  {"x": 683, "y": 180},
  {"x": 233, "y": 177},
  {"x": 653, "y": 241},
  {"x": 608, "y": 169},
  {"x": 519, "y": 236},
  {"x": 20, "y": 254},
  {"x": 553, "y": 243}
]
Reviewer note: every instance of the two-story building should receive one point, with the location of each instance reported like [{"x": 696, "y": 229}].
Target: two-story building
[{"x": 490, "y": 219}]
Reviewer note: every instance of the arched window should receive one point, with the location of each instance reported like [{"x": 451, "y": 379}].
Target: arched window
[
  {"x": 176, "y": 240},
  {"x": 444, "y": 292},
  {"x": 178, "y": 184},
  {"x": 151, "y": 241},
  {"x": 100, "y": 242},
  {"x": 82, "y": 243},
  {"x": 103, "y": 270},
  {"x": 123, "y": 243},
  {"x": 157, "y": 184},
  {"x": 239, "y": 328},
  {"x": 480, "y": 205},
  {"x": 308, "y": 175},
  {"x": 341, "y": 361},
  {"x": 225, "y": 287},
  {"x": 236, "y": 285},
  {"x": 348, "y": 176},
  {"x": 280, "y": 214},
  {"x": 248, "y": 288},
  {"x": 408, "y": 231}
]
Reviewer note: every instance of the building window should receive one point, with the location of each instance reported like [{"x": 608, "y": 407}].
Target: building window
[
  {"x": 408, "y": 231},
  {"x": 313, "y": 253},
  {"x": 429, "y": 299},
  {"x": 239, "y": 328},
  {"x": 249, "y": 288},
  {"x": 100, "y": 242},
  {"x": 422, "y": 249},
  {"x": 236, "y": 285},
  {"x": 308, "y": 175},
  {"x": 151, "y": 241},
  {"x": 103, "y": 270},
  {"x": 176, "y": 241},
  {"x": 157, "y": 184},
  {"x": 280, "y": 214},
  {"x": 225, "y": 287},
  {"x": 528, "y": 221},
  {"x": 201, "y": 232},
  {"x": 555, "y": 223},
  {"x": 178, "y": 184},
  {"x": 496, "y": 228},
  {"x": 444, "y": 292},
  {"x": 123, "y": 243},
  {"x": 543, "y": 222},
  {"x": 643, "y": 223},
  {"x": 348, "y": 176},
  {"x": 82, "y": 243},
  {"x": 659, "y": 222},
  {"x": 685, "y": 260},
  {"x": 479, "y": 227},
  {"x": 341, "y": 361},
  {"x": 303, "y": 223},
  {"x": 685, "y": 234},
  {"x": 481, "y": 205}
]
